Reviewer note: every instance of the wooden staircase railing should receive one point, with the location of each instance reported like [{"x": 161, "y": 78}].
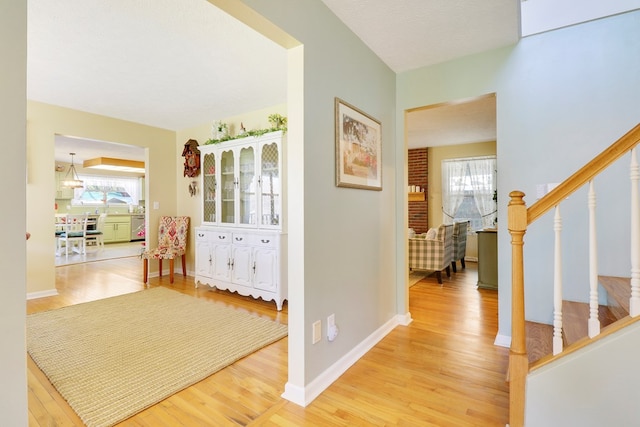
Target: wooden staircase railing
[{"x": 519, "y": 218}]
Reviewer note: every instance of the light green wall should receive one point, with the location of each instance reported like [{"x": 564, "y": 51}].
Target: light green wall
[
  {"x": 592, "y": 387},
  {"x": 562, "y": 97},
  {"x": 349, "y": 234},
  {"x": 44, "y": 122},
  {"x": 13, "y": 369}
]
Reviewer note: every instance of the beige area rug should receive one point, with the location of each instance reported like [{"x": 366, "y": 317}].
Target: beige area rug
[
  {"x": 415, "y": 277},
  {"x": 112, "y": 358}
]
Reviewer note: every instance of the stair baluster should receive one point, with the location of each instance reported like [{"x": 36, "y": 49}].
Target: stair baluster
[
  {"x": 594, "y": 321},
  {"x": 557, "y": 283},
  {"x": 634, "y": 302}
]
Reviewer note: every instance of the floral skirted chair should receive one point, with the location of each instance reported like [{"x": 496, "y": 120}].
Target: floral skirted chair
[{"x": 172, "y": 243}]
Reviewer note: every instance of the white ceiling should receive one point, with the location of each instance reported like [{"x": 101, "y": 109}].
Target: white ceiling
[
  {"x": 462, "y": 122},
  {"x": 176, "y": 64}
]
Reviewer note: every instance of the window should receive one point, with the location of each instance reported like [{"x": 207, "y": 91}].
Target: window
[
  {"x": 468, "y": 191},
  {"x": 106, "y": 190}
]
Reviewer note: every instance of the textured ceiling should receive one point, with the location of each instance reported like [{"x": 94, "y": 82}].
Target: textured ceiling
[
  {"x": 176, "y": 64},
  {"x": 410, "y": 34},
  {"x": 170, "y": 64},
  {"x": 453, "y": 123}
]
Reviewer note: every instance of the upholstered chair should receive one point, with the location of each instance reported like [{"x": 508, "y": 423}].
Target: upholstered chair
[
  {"x": 172, "y": 243},
  {"x": 459, "y": 243},
  {"x": 433, "y": 254}
]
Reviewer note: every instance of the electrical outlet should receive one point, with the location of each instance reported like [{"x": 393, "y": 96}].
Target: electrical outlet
[{"x": 317, "y": 331}]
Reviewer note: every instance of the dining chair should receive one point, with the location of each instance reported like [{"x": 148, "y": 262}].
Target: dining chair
[
  {"x": 73, "y": 234},
  {"x": 172, "y": 243},
  {"x": 97, "y": 236}
]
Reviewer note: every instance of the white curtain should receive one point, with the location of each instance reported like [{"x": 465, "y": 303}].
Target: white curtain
[
  {"x": 453, "y": 178},
  {"x": 470, "y": 175},
  {"x": 483, "y": 183}
]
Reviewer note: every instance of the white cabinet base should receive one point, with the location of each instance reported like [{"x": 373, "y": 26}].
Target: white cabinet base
[{"x": 251, "y": 263}]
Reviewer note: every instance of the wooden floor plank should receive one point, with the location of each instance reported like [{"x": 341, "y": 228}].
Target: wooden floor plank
[{"x": 441, "y": 370}]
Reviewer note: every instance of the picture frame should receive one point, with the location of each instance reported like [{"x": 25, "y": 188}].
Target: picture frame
[{"x": 358, "y": 145}]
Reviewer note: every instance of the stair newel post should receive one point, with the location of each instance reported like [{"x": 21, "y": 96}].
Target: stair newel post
[
  {"x": 518, "y": 359},
  {"x": 557, "y": 283},
  {"x": 634, "y": 303},
  {"x": 594, "y": 322}
]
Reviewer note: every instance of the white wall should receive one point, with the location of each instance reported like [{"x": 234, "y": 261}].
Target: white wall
[
  {"x": 562, "y": 97},
  {"x": 545, "y": 15},
  {"x": 13, "y": 51}
]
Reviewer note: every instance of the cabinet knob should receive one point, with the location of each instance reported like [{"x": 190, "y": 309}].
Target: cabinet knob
[
  {"x": 222, "y": 237},
  {"x": 238, "y": 239},
  {"x": 265, "y": 240}
]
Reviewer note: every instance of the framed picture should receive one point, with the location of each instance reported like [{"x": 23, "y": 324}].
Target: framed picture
[{"x": 358, "y": 148}]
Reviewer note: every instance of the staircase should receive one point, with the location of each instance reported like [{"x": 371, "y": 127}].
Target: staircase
[
  {"x": 575, "y": 325},
  {"x": 575, "y": 321}
]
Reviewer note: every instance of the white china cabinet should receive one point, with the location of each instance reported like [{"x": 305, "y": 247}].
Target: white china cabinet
[{"x": 240, "y": 245}]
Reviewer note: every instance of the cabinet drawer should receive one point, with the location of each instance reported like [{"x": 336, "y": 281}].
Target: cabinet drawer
[
  {"x": 220, "y": 237},
  {"x": 264, "y": 241},
  {"x": 241, "y": 239},
  {"x": 202, "y": 235}
]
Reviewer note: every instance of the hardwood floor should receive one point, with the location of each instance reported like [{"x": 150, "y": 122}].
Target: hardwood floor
[{"x": 441, "y": 370}]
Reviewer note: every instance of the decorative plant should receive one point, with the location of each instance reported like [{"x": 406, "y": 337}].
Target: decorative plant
[{"x": 277, "y": 121}]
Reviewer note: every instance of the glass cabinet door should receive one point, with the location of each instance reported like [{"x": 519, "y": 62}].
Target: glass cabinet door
[
  {"x": 247, "y": 182},
  {"x": 209, "y": 188},
  {"x": 227, "y": 187},
  {"x": 270, "y": 205}
]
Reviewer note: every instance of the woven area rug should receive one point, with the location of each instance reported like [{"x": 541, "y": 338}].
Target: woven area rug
[
  {"x": 415, "y": 277},
  {"x": 112, "y": 358}
]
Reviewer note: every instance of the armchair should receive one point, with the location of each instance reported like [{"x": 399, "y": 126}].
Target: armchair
[
  {"x": 433, "y": 254},
  {"x": 172, "y": 243},
  {"x": 459, "y": 243}
]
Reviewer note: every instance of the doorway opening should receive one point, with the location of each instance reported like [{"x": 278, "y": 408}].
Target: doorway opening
[
  {"x": 116, "y": 194},
  {"x": 436, "y": 134}
]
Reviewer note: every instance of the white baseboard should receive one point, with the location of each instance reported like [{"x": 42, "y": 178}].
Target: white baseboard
[
  {"x": 502, "y": 341},
  {"x": 42, "y": 294},
  {"x": 303, "y": 396},
  {"x": 471, "y": 258}
]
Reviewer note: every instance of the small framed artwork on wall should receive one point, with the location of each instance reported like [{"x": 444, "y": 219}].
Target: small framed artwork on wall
[{"x": 358, "y": 148}]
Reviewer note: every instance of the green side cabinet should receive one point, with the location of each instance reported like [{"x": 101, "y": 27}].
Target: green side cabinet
[
  {"x": 117, "y": 228},
  {"x": 488, "y": 259}
]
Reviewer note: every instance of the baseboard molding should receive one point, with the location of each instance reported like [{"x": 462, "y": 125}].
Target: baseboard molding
[
  {"x": 471, "y": 258},
  {"x": 303, "y": 396},
  {"x": 42, "y": 294},
  {"x": 502, "y": 341}
]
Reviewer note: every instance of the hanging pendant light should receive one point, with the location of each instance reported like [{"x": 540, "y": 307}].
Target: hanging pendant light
[{"x": 71, "y": 180}]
